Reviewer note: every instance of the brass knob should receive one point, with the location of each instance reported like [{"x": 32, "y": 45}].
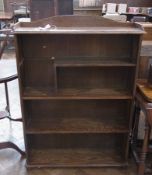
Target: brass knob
[
  {"x": 44, "y": 47},
  {"x": 52, "y": 58}
]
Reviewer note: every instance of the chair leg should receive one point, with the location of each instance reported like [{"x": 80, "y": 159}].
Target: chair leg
[
  {"x": 135, "y": 125},
  {"x": 6, "y": 114},
  {"x": 7, "y": 98},
  {"x": 143, "y": 154},
  {"x": 134, "y": 134},
  {"x": 8, "y": 106},
  {"x": 4, "y": 145},
  {"x": 15, "y": 120}
]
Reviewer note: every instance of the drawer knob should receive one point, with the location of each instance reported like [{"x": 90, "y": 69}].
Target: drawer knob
[
  {"x": 44, "y": 47},
  {"x": 52, "y": 58}
]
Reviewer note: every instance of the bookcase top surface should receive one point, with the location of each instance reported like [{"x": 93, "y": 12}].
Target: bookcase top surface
[{"x": 77, "y": 25}]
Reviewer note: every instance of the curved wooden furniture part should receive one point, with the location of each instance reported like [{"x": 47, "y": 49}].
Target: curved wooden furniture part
[
  {"x": 7, "y": 114},
  {"x": 143, "y": 101},
  {"x": 8, "y": 73}
]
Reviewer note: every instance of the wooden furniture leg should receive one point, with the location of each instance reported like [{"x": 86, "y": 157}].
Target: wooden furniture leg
[
  {"x": 143, "y": 154},
  {"x": 135, "y": 131},
  {"x": 4, "y": 145},
  {"x": 7, "y": 114}
]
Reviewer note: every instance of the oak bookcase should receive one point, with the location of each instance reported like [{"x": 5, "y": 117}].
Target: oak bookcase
[{"x": 77, "y": 83}]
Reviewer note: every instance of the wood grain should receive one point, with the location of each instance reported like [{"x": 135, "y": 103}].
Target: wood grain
[
  {"x": 77, "y": 84},
  {"x": 77, "y": 125},
  {"x": 74, "y": 158}
]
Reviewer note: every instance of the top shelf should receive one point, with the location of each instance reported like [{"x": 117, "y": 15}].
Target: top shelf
[{"x": 77, "y": 25}]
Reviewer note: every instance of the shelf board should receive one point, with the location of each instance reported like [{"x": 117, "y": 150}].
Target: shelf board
[
  {"x": 75, "y": 158},
  {"x": 46, "y": 94},
  {"x": 100, "y": 62},
  {"x": 76, "y": 125}
]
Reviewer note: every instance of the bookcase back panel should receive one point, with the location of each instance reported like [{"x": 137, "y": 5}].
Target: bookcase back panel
[
  {"x": 35, "y": 46},
  {"x": 76, "y": 141},
  {"x": 48, "y": 109},
  {"x": 47, "y": 46},
  {"x": 72, "y": 116},
  {"x": 93, "y": 77},
  {"x": 38, "y": 73},
  {"x": 76, "y": 150}
]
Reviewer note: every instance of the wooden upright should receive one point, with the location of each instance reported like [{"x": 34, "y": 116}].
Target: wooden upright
[{"x": 77, "y": 83}]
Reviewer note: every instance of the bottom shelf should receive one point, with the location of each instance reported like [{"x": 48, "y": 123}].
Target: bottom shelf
[{"x": 74, "y": 158}]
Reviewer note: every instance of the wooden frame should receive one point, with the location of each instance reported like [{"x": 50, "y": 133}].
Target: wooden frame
[{"x": 77, "y": 83}]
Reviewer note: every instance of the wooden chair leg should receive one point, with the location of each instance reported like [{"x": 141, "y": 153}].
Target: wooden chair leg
[
  {"x": 4, "y": 145},
  {"x": 135, "y": 132},
  {"x": 143, "y": 154},
  {"x": 7, "y": 114}
]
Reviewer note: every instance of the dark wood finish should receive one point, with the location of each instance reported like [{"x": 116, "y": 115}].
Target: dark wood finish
[
  {"x": 145, "y": 90},
  {"x": 82, "y": 121},
  {"x": 81, "y": 158},
  {"x": 77, "y": 83},
  {"x": 149, "y": 81},
  {"x": 4, "y": 145},
  {"x": 52, "y": 8},
  {"x": 148, "y": 29},
  {"x": 89, "y": 148},
  {"x": 143, "y": 101}
]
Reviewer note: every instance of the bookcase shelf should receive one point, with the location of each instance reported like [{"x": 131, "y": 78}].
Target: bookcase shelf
[
  {"x": 85, "y": 154},
  {"x": 92, "y": 62},
  {"x": 77, "y": 84},
  {"x": 76, "y": 125},
  {"x": 83, "y": 158},
  {"x": 43, "y": 93}
]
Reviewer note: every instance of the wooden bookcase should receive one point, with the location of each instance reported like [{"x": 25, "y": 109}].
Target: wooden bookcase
[{"x": 77, "y": 83}]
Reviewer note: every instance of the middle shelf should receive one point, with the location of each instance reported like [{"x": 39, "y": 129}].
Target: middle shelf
[
  {"x": 76, "y": 82},
  {"x": 77, "y": 116},
  {"x": 93, "y": 62},
  {"x": 71, "y": 93},
  {"x": 76, "y": 125}
]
